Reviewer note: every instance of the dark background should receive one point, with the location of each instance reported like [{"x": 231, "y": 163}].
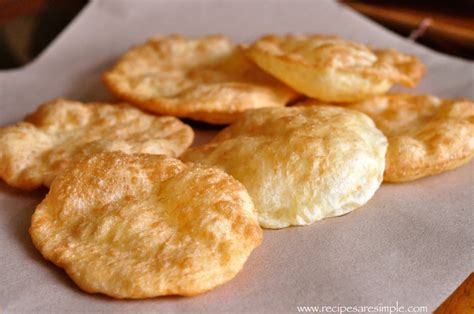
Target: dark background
[{"x": 28, "y": 26}]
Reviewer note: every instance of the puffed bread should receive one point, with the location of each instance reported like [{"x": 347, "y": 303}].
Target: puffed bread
[
  {"x": 299, "y": 164},
  {"x": 141, "y": 226},
  {"x": 332, "y": 69},
  {"x": 33, "y": 152},
  {"x": 426, "y": 135},
  {"x": 207, "y": 79}
]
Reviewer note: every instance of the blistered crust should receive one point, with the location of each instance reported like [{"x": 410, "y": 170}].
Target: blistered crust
[
  {"x": 426, "y": 135},
  {"x": 333, "y": 69},
  {"x": 207, "y": 79},
  {"x": 141, "y": 226},
  {"x": 34, "y": 151},
  {"x": 300, "y": 164}
]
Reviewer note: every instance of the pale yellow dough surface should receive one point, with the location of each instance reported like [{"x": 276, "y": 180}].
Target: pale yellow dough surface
[
  {"x": 205, "y": 78},
  {"x": 142, "y": 226},
  {"x": 332, "y": 69},
  {"x": 426, "y": 135},
  {"x": 300, "y": 164},
  {"x": 34, "y": 151}
]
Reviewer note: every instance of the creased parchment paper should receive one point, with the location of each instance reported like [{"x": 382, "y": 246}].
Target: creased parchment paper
[{"x": 412, "y": 243}]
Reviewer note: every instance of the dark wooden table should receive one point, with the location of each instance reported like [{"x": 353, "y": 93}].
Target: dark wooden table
[{"x": 447, "y": 26}]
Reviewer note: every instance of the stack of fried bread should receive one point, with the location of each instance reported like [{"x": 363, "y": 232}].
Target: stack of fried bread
[{"x": 313, "y": 133}]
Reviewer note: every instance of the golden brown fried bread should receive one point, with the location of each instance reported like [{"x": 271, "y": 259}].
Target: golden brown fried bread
[
  {"x": 300, "y": 164},
  {"x": 207, "y": 79},
  {"x": 141, "y": 226},
  {"x": 33, "y": 152},
  {"x": 333, "y": 69},
  {"x": 426, "y": 135}
]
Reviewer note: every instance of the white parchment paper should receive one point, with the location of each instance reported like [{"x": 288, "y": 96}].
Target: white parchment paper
[{"x": 412, "y": 243}]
